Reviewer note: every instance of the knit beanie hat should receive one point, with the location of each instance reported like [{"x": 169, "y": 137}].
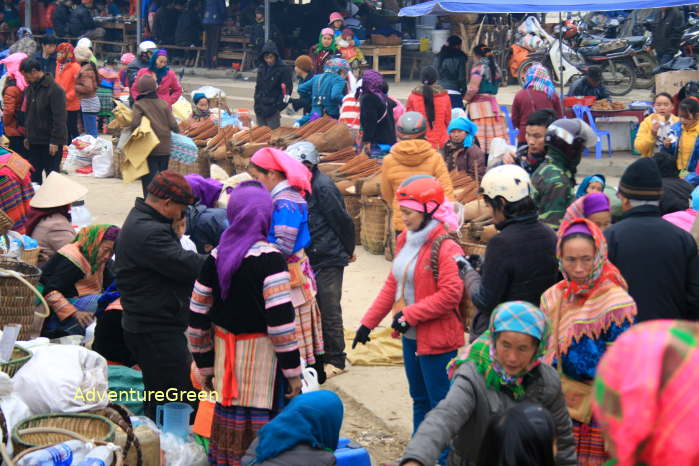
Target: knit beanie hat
[
  {"x": 197, "y": 97},
  {"x": 641, "y": 181},
  {"x": 171, "y": 185},
  {"x": 82, "y": 54},
  {"x": 146, "y": 84},
  {"x": 304, "y": 62}
]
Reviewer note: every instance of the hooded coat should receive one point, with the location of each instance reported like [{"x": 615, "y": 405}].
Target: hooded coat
[
  {"x": 408, "y": 158},
  {"x": 269, "y": 95},
  {"x": 676, "y": 191},
  {"x": 158, "y": 112}
]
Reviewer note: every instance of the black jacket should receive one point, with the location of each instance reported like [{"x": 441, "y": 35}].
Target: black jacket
[
  {"x": 331, "y": 227},
  {"x": 659, "y": 262},
  {"x": 81, "y": 21},
  {"x": 61, "y": 18},
  {"x": 132, "y": 70},
  {"x": 205, "y": 225},
  {"x": 376, "y": 120},
  {"x": 520, "y": 264},
  {"x": 676, "y": 194},
  {"x": 451, "y": 66},
  {"x": 667, "y": 30},
  {"x": 189, "y": 29},
  {"x": 48, "y": 65},
  {"x": 154, "y": 274},
  {"x": 269, "y": 96},
  {"x": 581, "y": 88},
  {"x": 304, "y": 102},
  {"x": 165, "y": 18},
  {"x": 45, "y": 120}
]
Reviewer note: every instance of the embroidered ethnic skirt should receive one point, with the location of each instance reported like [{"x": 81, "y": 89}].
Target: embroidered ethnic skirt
[
  {"x": 589, "y": 444},
  {"x": 309, "y": 332},
  {"x": 490, "y": 122}
]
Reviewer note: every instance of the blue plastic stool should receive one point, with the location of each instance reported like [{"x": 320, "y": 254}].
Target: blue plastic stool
[
  {"x": 512, "y": 131},
  {"x": 349, "y": 453},
  {"x": 584, "y": 113}
]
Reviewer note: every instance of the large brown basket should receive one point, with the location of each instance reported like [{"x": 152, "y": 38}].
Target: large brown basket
[
  {"x": 182, "y": 168},
  {"x": 90, "y": 426},
  {"x": 65, "y": 434},
  {"x": 354, "y": 209},
  {"x": 30, "y": 256},
  {"x": 374, "y": 223},
  {"x": 19, "y": 358},
  {"x": 204, "y": 163},
  {"x": 17, "y": 300}
]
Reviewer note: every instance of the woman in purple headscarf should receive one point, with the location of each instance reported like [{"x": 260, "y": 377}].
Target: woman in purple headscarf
[
  {"x": 242, "y": 326},
  {"x": 594, "y": 207},
  {"x": 376, "y": 115},
  {"x": 206, "y": 189}
]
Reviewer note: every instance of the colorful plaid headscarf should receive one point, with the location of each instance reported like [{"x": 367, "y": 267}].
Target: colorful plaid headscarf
[
  {"x": 68, "y": 50},
  {"x": 646, "y": 396},
  {"x": 538, "y": 79},
  {"x": 88, "y": 242},
  {"x": 513, "y": 316},
  {"x": 586, "y": 309},
  {"x": 335, "y": 65}
]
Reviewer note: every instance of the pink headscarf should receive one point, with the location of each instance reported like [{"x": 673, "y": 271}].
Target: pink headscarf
[
  {"x": 12, "y": 63},
  {"x": 445, "y": 213},
  {"x": 296, "y": 173}
]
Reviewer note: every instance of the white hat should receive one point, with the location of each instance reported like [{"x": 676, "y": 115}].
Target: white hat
[
  {"x": 57, "y": 190},
  {"x": 511, "y": 182},
  {"x": 146, "y": 46},
  {"x": 84, "y": 42},
  {"x": 82, "y": 54}
]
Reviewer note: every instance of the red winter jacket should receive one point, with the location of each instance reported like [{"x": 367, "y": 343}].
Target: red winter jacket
[
  {"x": 437, "y": 135},
  {"x": 169, "y": 88},
  {"x": 435, "y": 311}
]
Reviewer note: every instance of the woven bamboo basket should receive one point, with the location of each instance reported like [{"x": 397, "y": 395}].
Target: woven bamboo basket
[
  {"x": 182, "y": 168},
  {"x": 19, "y": 358},
  {"x": 90, "y": 426},
  {"x": 30, "y": 256},
  {"x": 354, "y": 209},
  {"x": 120, "y": 416},
  {"x": 374, "y": 217},
  {"x": 17, "y": 300},
  {"x": 64, "y": 434},
  {"x": 473, "y": 248},
  {"x": 118, "y": 162},
  {"x": 5, "y": 226},
  {"x": 240, "y": 163}
]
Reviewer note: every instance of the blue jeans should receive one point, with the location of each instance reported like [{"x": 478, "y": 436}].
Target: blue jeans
[
  {"x": 90, "y": 123},
  {"x": 428, "y": 382}
]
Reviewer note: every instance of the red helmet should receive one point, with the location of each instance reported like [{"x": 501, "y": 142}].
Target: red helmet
[{"x": 423, "y": 189}]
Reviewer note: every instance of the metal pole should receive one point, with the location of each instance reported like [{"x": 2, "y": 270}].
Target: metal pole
[
  {"x": 560, "y": 46},
  {"x": 138, "y": 23},
  {"x": 28, "y": 13},
  {"x": 267, "y": 20}
]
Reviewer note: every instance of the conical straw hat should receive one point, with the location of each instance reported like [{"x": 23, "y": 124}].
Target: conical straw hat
[{"x": 56, "y": 191}]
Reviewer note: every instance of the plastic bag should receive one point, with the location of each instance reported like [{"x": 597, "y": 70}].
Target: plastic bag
[
  {"x": 179, "y": 453},
  {"x": 63, "y": 379},
  {"x": 103, "y": 160},
  {"x": 12, "y": 406}
]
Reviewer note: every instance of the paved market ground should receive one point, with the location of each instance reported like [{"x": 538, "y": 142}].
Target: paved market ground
[{"x": 379, "y": 412}]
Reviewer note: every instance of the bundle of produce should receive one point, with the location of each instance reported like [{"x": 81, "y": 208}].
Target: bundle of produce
[
  {"x": 283, "y": 137},
  {"x": 465, "y": 187},
  {"x": 359, "y": 167},
  {"x": 203, "y": 129},
  {"x": 223, "y": 135},
  {"x": 256, "y": 134},
  {"x": 342, "y": 155},
  {"x": 317, "y": 126},
  {"x": 334, "y": 138}
]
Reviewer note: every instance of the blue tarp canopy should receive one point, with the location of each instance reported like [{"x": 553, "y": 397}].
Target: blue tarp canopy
[{"x": 438, "y": 7}]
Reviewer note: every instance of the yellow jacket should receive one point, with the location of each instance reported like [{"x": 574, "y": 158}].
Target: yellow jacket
[
  {"x": 645, "y": 141},
  {"x": 409, "y": 158}
]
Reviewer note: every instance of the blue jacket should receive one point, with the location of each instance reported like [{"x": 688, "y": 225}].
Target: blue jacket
[
  {"x": 326, "y": 91},
  {"x": 214, "y": 12},
  {"x": 691, "y": 167}
]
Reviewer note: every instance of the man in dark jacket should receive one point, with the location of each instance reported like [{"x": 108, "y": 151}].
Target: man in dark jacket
[
  {"x": 667, "y": 33},
  {"x": 520, "y": 262},
  {"x": 657, "y": 259},
  {"x": 61, "y": 17},
  {"x": 676, "y": 191},
  {"x": 167, "y": 16},
  {"x": 82, "y": 23},
  {"x": 155, "y": 277},
  {"x": 145, "y": 51},
  {"x": 590, "y": 85},
  {"x": 273, "y": 87},
  {"x": 45, "y": 119},
  {"x": 451, "y": 65},
  {"x": 331, "y": 250},
  {"x": 47, "y": 54}
]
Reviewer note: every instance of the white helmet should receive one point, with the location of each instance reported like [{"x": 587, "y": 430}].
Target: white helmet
[
  {"x": 304, "y": 151},
  {"x": 146, "y": 46},
  {"x": 511, "y": 182},
  {"x": 84, "y": 42}
]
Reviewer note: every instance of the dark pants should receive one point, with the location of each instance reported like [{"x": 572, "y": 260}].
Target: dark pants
[
  {"x": 17, "y": 145},
  {"x": 42, "y": 161},
  {"x": 428, "y": 382},
  {"x": 213, "y": 37},
  {"x": 457, "y": 100},
  {"x": 156, "y": 164},
  {"x": 666, "y": 55},
  {"x": 329, "y": 295},
  {"x": 273, "y": 121},
  {"x": 165, "y": 363},
  {"x": 73, "y": 131}
]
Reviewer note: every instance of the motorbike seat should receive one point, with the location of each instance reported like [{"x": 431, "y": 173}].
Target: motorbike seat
[{"x": 635, "y": 40}]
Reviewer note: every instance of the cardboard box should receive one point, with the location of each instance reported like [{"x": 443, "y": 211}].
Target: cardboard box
[{"x": 672, "y": 81}]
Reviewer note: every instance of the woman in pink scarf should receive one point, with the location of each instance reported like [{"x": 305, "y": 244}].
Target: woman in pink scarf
[
  {"x": 288, "y": 180},
  {"x": 12, "y": 96},
  {"x": 645, "y": 395}
]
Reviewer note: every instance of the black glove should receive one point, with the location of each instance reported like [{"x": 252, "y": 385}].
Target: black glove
[
  {"x": 362, "y": 336},
  {"x": 475, "y": 260},
  {"x": 464, "y": 266},
  {"x": 400, "y": 326}
]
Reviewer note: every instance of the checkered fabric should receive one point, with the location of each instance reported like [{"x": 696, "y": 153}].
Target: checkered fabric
[{"x": 520, "y": 317}]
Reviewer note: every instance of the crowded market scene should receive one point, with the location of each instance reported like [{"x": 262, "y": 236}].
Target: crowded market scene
[{"x": 349, "y": 232}]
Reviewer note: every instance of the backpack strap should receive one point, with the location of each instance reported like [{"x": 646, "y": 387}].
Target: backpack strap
[{"x": 434, "y": 255}]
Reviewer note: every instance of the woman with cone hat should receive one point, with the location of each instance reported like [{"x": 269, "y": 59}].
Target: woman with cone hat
[{"x": 48, "y": 220}]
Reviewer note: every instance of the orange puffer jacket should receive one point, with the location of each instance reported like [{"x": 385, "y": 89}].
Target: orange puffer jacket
[
  {"x": 437, "y": 133},
  {"x": 66, "y": 75}
]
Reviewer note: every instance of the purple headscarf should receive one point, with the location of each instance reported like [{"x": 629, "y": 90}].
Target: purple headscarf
[
  {"x": 250, "y": 217},
  {"x": 595, "y": 202},
  {"x": 206, "y": 189},
  {"x": 372, "y": 82}
]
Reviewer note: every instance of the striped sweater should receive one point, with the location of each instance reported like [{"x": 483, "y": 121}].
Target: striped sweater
[{"x": 259, "y": 301}]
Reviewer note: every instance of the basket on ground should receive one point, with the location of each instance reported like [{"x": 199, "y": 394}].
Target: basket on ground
[
  {"x": 66, "y": 435},
  {"x": 17, "y": 300},
  {"x": 19, "y": 358},
  {"x": 373, "y": 233},
  {"x": 90, "y": 426},
  {"x": 354, "y": 208}
]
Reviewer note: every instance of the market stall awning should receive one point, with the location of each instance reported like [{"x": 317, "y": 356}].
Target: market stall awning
[{"x": 438, "y": 7}]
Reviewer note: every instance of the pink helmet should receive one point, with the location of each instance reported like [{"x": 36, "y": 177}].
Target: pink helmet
[
  {"x": 127, "y": 58},
  {"x": 336, "y": 16}
]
